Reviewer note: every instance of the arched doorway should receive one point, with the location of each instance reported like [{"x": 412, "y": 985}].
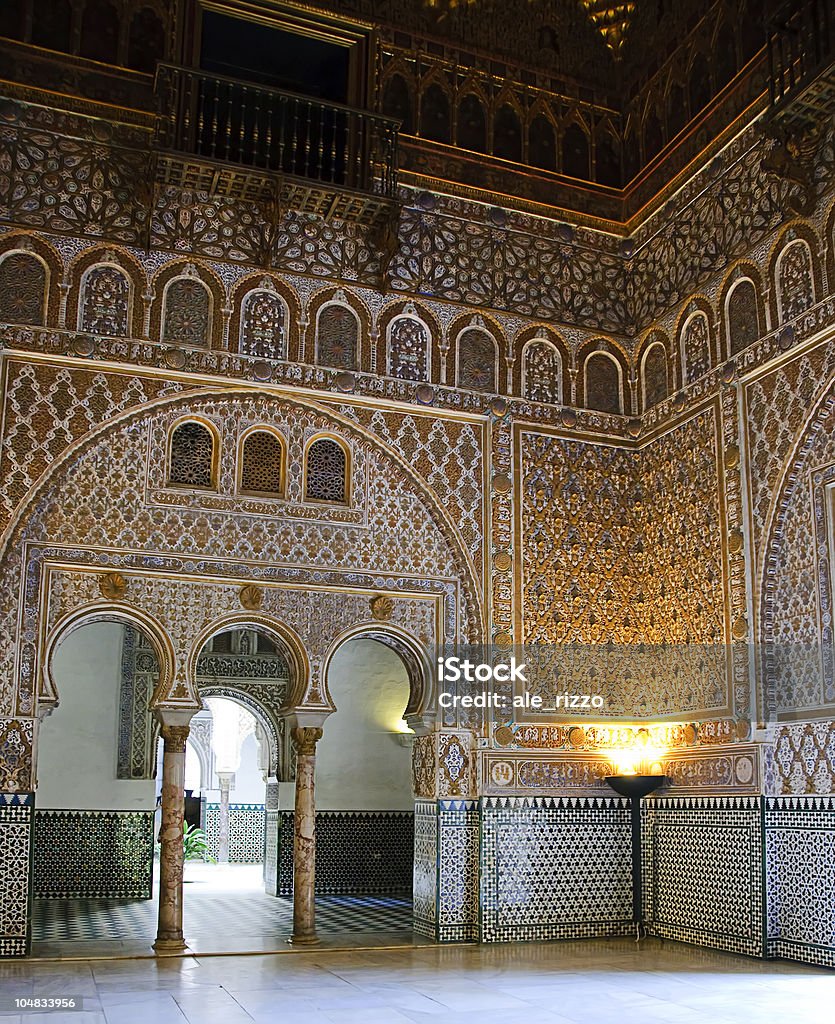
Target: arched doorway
[
  {"x": 364, "y": 802},
  {"x": 242, "y": 678},
  {"x": 94, "y": 831},
  {"x": 226, "y": 781}
]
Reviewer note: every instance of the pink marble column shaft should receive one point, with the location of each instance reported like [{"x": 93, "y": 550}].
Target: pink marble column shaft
[
  {"x": 170, "y": 923},
  {"x": 304, "y": 837}
]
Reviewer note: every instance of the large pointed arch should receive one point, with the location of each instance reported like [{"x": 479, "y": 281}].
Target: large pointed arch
[{"x": 466, "y": 609}]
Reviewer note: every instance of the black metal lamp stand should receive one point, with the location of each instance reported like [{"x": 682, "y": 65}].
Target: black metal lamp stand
[{"x": 636, "y": 787}]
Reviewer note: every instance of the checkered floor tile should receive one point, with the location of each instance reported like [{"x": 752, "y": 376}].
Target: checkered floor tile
[{"x": 233, "y": 915}]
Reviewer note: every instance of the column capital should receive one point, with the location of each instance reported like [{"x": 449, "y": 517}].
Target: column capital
[
  {"x": 175, "y": 738},
  {"x": 305, "y": 739},
  {"x": 174, "y": 727},
  {"x": 174, "y": 716}
]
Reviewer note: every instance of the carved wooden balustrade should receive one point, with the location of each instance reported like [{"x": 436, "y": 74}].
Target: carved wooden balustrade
[
  {"x": 801, "y": 52},
  {"x": 236, "y": 138}
]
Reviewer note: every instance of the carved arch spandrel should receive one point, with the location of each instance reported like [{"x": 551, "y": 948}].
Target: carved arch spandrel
[
  {"x": 288, "y": 641},
  {"x": 181, "y": 614}
]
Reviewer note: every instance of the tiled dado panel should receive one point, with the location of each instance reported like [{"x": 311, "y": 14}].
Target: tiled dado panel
[
  {"x": 800, "y": 877},
  {"x": 362, "y": 852},
  {"x": 425, "y": 870},
  {"x": 272, "y": 829},
  {"x": 93, "y": 854},
  {"x": 457, "y": 904},
  {"x": 445, "y": 896},
  {"x": 555, "y": 868},
  {"x": 16, "y": 813},
  {"x": 246, "y": 832},
  {"x": 703, "y": 871}
]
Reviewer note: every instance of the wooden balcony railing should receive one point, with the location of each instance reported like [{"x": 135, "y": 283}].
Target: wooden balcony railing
[
  {"x": 227, "y": 121},
  {"x": 800, "y": 47}
]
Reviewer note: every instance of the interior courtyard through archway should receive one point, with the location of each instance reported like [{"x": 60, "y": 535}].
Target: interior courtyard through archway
[{"x": 100, "y": 775}]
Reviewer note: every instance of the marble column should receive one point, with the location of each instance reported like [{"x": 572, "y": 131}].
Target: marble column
[
  {"x": 304, "y": 837},
  {"x": 175, "y": 726},
  {"x": 224, "y": 780}
]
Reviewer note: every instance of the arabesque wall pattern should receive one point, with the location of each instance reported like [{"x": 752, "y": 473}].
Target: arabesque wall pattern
[{"x": 674, "y": 483}]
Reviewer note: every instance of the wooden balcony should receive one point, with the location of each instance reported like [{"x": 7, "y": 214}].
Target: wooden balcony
[
  {"x": 801, "y": 53},
  {"x": 237, "y": 139}
]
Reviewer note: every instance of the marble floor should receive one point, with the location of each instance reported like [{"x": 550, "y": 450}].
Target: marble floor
[{"x": 595, "y": 982}]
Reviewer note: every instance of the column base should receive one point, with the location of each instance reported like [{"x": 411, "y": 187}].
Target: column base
[
  {"x": 168, "y": 947},
  {"x": 304, "y": 940}
]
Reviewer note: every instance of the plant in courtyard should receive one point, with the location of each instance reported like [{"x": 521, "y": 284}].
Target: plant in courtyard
[{"x": 195, "y": 844}]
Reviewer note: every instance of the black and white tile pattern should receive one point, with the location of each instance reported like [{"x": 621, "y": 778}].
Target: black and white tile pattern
[
  {"x": 246, "y": 832},
  {"x": 800, "y": 873},
  {"x": 230, "y": 915},
  {"x": 555, "y": 868},
  {"x": 93, "y": 854},
  {"x": 703, "y": 871},
  {"x": 16, "y": 812},
  {"x": 356, "y": 852}
]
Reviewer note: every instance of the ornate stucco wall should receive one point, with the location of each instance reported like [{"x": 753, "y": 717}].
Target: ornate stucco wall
[{"x": 702, "y": 517}]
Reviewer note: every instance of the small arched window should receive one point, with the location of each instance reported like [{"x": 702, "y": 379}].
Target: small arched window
[
  {"x": 542, "y": 144},
  {"x": 575, "y": 152},
  {"x": 724, "y": 55},
  {"x": 23, "y": 287},
  {"x": 603, "y": 383},
  {"x": 677, "y": 106},
  {"x": 408, "y": 349},
  {"x": 653, "y": 136},
  {"x": 654, "y": 372},
  {"x": 326, "y": 471},
  {"x": 507, "y": 134},
  {"x": 742, "y": 316},
  {"x": 397, "y": 102},
  {"x": 695, "y": 347},
  {"x": 476, "y": 360},
  {"x": 472, "y": 124},
  {"x": 607, "y": 160},
  {"x": 337, "y": 337},
  {"x": 795, "y": 280},
  {"x": 100, "y": 32},
  {"x": 12, "y": 21},
  {"x": 262, "y": 463},
  {"x": 263, "y": 323},
  {"x": 752, "y": 36},
  {"x": 191, "y": 461},
  {"x": 104, "y": 306},
  {"x": 700, "y": 85},
  {"x": 631, "y": 153},
  {"x": 434, "y": 114},
  {"x": 146, "y": 43},
  {"x": 542, "y": 371},
  {"x": 187, "y": 310},
  {"x": 51, "y": 28}
]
